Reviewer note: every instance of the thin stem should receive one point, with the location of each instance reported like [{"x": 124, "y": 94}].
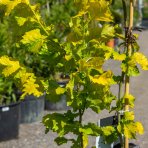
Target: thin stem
[
  {"x": 119, "y": 115},
  {"x": 38, "y": 20},
  {"x": 80, "y": 121},
  {"x": 125, "y": 12}
]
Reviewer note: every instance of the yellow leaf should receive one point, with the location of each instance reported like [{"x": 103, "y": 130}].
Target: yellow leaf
[
  {"x": 141, "y": 60},
  {"x": 68, "y": 57},
  {"x": 118, "y": 56},
  {"x": 10, "y": 5},
  {"x": 34, "y": 40},
  {"x": 32, "y": 36},
  {"x": 60, "y": 90},
  {"x": 28, "y": 83},
  {"x": 104, "y": 79},
  {"x": 140, "y": 128},
  {"x": 85, "y": 140},
  {"x": 10, "y": 66},
  {"x": 30, "y": 87}
]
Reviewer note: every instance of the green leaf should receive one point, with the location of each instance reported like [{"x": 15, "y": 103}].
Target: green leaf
[{"x": 61, "y": 140}]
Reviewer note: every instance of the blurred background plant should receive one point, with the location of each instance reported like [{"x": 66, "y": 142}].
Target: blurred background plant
[{"x": 56, "y": 12}]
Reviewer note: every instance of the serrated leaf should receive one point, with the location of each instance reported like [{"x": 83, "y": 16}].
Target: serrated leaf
[{"x": 10, "y": 66}]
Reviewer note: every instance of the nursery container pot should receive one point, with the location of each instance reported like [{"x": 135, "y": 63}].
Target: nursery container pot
[
  {"x": 9, "y": 121},
  {"x": 31, "y": 109}
]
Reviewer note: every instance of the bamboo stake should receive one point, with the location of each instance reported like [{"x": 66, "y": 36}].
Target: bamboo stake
[{"x": 127, "y": 78}]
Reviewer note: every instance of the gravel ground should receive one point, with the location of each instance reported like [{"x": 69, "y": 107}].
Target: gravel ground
[{"x": 33, "y": 136}]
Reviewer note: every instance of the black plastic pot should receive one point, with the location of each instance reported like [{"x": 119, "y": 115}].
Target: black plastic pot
[
  {"x": 131, "y": 145},
  {"x": 60, "y": 105},
  {"x": 9, "y": 121},
  {"x": 31, "y": 109}
]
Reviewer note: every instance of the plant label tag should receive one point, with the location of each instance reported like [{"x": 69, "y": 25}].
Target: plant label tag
[{"x": 5, "y": 109}]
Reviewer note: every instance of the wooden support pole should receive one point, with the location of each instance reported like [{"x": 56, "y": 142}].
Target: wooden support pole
[{"x": 127, "y": 78}]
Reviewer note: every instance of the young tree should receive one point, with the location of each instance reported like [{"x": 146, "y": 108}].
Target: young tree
[{"x": 81, "y": 56}]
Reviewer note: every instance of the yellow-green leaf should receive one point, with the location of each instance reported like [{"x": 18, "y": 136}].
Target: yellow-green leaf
[
  {"x": 108, "y": 130},
  {"x": 130, "y": 98},
  {"x": 117, "y": 56},
  {"x": 21, "y": 20},
  {"x": 32, "y": 36},
  {"x": 129, "y": 116},
  {"x": 99, "y": 10},
  {"x": 104, "y": 79}
]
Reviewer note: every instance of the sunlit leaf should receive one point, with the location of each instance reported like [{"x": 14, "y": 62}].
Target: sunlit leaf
[{"x": 10, "y": 66}]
